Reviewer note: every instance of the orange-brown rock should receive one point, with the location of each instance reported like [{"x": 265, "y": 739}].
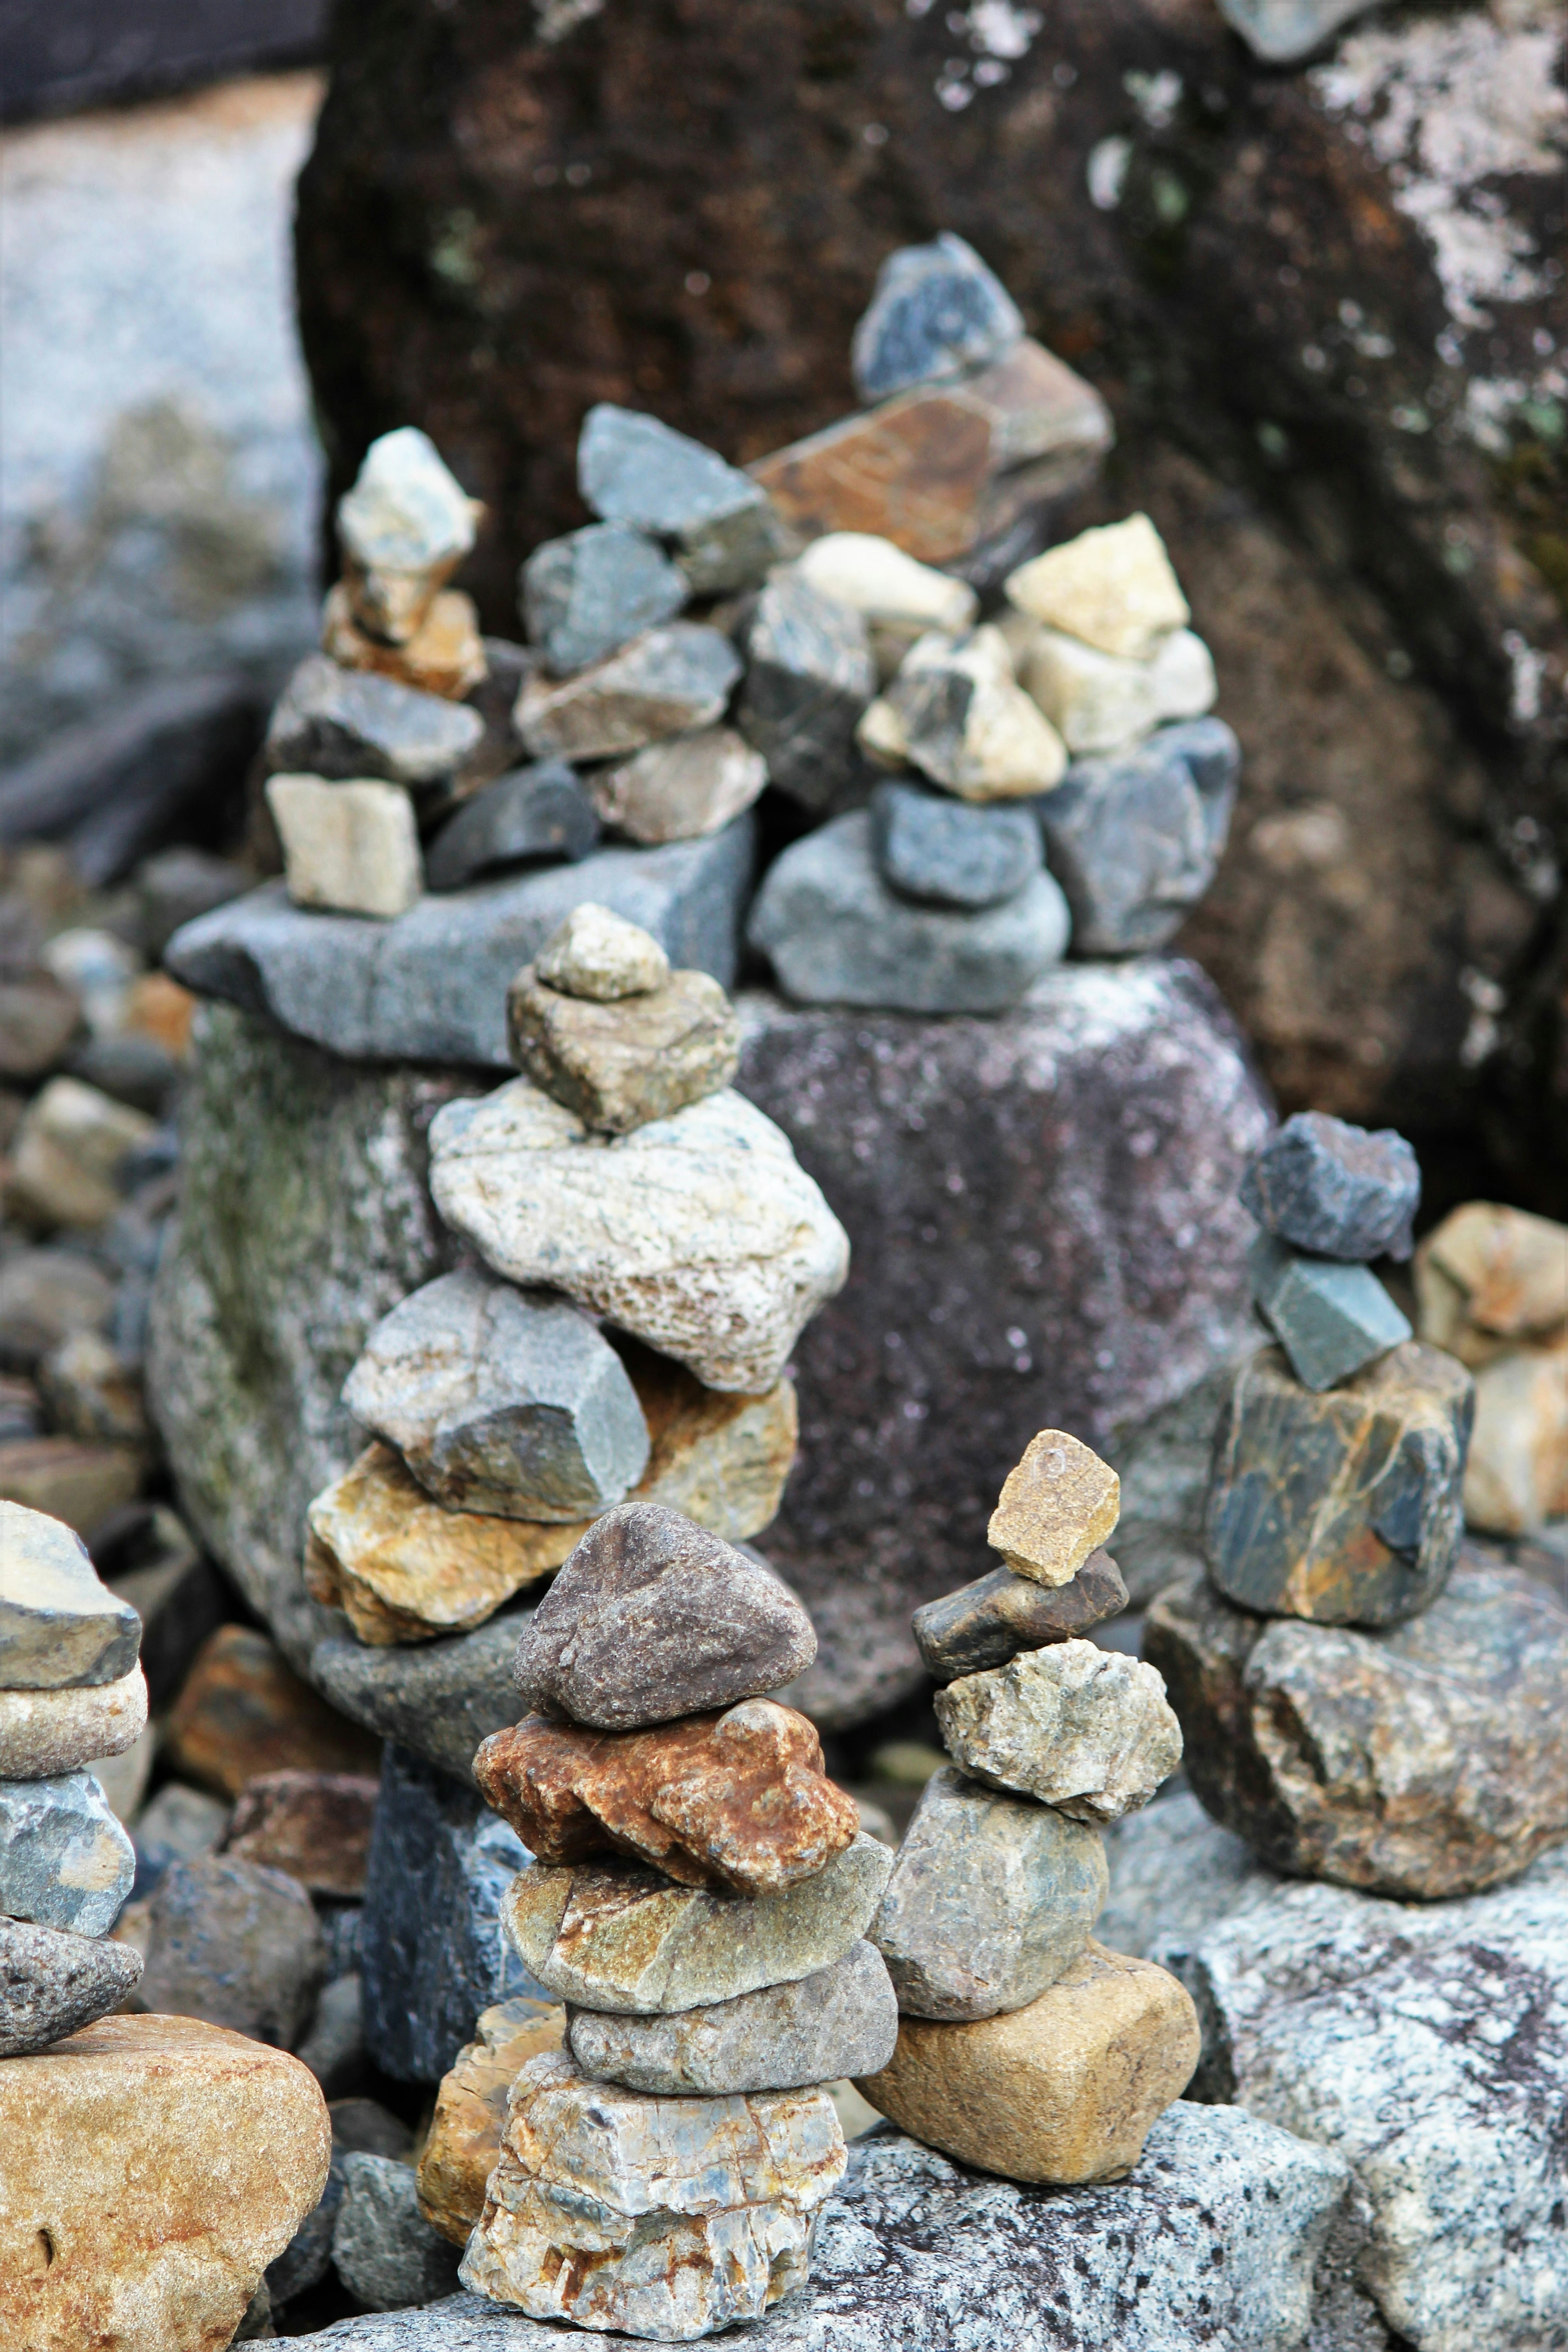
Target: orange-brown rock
[
  {"x": 445, "y": 656},
  {"x": 314, "y": 1825},
  {"x": 720, "y": 1458},
  {"x": 737, "y": 1800},
  {"x": 243, "y": 1713},
  {"x": 464, "y": 2140}
]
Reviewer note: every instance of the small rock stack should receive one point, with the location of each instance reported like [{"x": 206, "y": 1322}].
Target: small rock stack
[
  {"x": 698, "y": 1898},
  {"x": 1025, "y": 2047}
]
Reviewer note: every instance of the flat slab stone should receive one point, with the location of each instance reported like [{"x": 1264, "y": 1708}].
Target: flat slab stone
[
  {"x": 989, "y": 1621},
  {"x": 438, "y": 1701},
  {"x": 1331, "y": 1318},
  {"x": 431, "y": 986}
]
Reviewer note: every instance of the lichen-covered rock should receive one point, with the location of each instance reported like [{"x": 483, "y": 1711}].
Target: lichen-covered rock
[
  {"x": 53, "y": 1981},
  {"x": 1085, "y": 1729},
  {"x": 989, "y": 1621}
]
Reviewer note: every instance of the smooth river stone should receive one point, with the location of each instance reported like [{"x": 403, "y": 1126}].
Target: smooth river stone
[
  {"x": 47, "y": 1731},
  {"x": 620, "y": 1937},
  {"x": 52, "y": 1982},
  {"x": 843, "y": 2020},
  {"x": 992, "y": 1899},
  {"x": 1339, "y": 1191},
  {"x": 65, "y": 1862},
  {"x": 1085, "y": 1729},
  {"x": 465, "y": 2136},
  {"x": 1342, "y": 1508},
  {"x": 993, "y": 1619},
  {"x": 1058, "y": 1505},
  {"x": 619, "y": 1065},
  {"x": 59, "y": 1625}
]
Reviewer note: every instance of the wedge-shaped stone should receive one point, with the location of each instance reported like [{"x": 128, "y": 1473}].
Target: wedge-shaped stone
[
  {"x": 621, "y": 1938},
  {"x": 1342, "y": 1508},
  {"x": 1331, "y": 1318},
  {"x": 1060, "y": 1504},
  {"x": 405, "y": 526},
  {"x": 47, "y": 1731},
  {"x": 633, "y": 469},
  {"x": 937, "y": 312},
  {"x": 52, "y": 1982},
  {"x": 502, "y": 1402},
  {"x": 663, "y": 683},
  {"x": 1066, "y": 2090},
  {"x": 681, "y": 789},
  {"x": 619, "y": 1065},
  {"x": 330, "y": 721},
  {"x": 65, "y": 1862},
  {"x": 1338, "y": 1190},
  {"x": 464, "y": 2140},
  {"x": 809, "y": 675},
  {"x": 1112, "y": 586},
  {"x": 956, "y": 712},
  {"x": 739, "y": 1800},
  {"x": 987, "y": 1622},
  {"x": 584, "y": 595},
  {"x": 539, "y": 813},
  {"x": 700, "y": 1234},
  {"x": 1490, "y": 1278},
  {"x": 59, "y": 1625},
  {"x": 1085, "y": 1729}
]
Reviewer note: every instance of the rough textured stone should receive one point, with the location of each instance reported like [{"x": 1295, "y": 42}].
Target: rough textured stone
[
  {"x": 633, "y": 469},
  {"x": 405, "y": 526},
  {"x": 663, "y": 683},
  {"x": 989, "y": 1621},
  {"x": 619, "y": 1936},
  {"x": 438, "y": 1700},
  {"x": 1057, "y": 1505},
  {"x": 65, "y": 1862},
  {"x": 620, "y": 1065},
  {"x": 937, "y": 312},
  {"x": 385, "y": 2251},
  {"x": 992, "y": 1899},
  {"x": 53, "y": 1981},
  {"x": 738, "y": 1800},
  {"x": 836, "y": 933},
  {"x": 1113, "y": 587},
  {"x": 809, "y": 675},
  {"x": 1085, "y": 1729},
  {"x": 1420, "y": 1760},
  {"x": 46, "y": 1731},
  {"x": 348, "y": 849},
  {"x": 653, "y": 1617},
  {"x": 1490, "y": 1278},
  {"x": 445, "y": 656},
  {"x": 1366, "y": 1527},
  {"x": 343, "y": 723},
  {"x": 930, "y": 846},
  {"x": 1337, "y": 1190},
  {"x": 535, "y": 812},
  {"x": 1135, "y": 837},
  {"x": 314, "y": 1825},
  {"x": 719, "y": 1460},
  {"x": 1174, "y": 1873},
  {"x": 681, "y": 789},
  {"x": 464, "y": 2139},
  {"x": 59, "y": 1626},
  {"x": 1516, "y": 1471},
  {"x": 698, "y": 1232},
  {"x": 243, "y": 1713},
  {"x": 1331, "y": 1318},
  {"x": 600, "y": 956},
  {"x": 235, "y": 1944},
  {"x": 178, "y": 1824},
  {"x": 584, "y": 596}
]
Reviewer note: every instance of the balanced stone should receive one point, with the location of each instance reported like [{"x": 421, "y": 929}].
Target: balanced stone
[
  {"x": 1112, "y": 586},
  {"x": 405, "y": 526},
  {"x": 584, "y": 595},
  {"x": 1492, "y": 1278},
  {"x": 842, "y": 2020},
  {"x": 1065, "y": 2090},
  {"x": 349, "y": 848},
  {"x": 1336, "y": 1189},
  {"x": 633, "y": 469},
  {"x": 663, "y": 683},
  {"x": 343, "y": 723},
  {"x": 439, "y": 1699},
  {"x": 535, "y": 812},
  {"x": 464, "y": 2140},
  {"x": 681, "y": 789},
  {"x": 619, "y": 1065},
  {"x": 667, "y": 2218},
  {"x": 1346, "y": 1506},
  {"x": 653, "y": 1618},
  {"x": 1056, "y": 1505},
  {"x": 502, "y": 1401},
  {"x": 50, "y": 1731},
  {"x": 65, "y": 1862},
  {"x": 897, "y": 597},
  {"x": 52, "y": 1981},
  {"x": 445, "y": 656},
  {"x": 700, "y": 1234},
  {"x": 619, "y": 1936},
  {"x": 836, "y": 933},
  {"x": 1085, "y": 1729},
  {"x": 809, "y": 675},
  {"x": 738, "y": 1800},
  {"x": 931, "y": 846},
  {"x": 1135, "y": 837},
  {"x": 989, "y": 1621},
  {"x": 597, "y": 955},
  {"x": 956, "y": 712},
  {"x": 59, "y": 1625},
  {"x": 1101, "y": 702},
  {"x": 992, "y": 1899},
  {"x": 235, "y": 1944},
  {"x": 1331, "y": 1318},
  {"x": 936, "y": 311},
  {"x": 385, "y": 2251}
]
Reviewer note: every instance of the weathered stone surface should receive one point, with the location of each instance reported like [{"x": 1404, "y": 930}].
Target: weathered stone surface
[
  {"x": 535, "y": 812},
  {"x": 1336, "y": 1189},
  {"x": 46, "y": 1731},
  {"x": 68, "y": 1157},
  {"x": 929, "y": 846},
  {"x": 633, "y": 469},
  {"x": 154, "y": 2167},
  {"x": 1063, "y": 2091},
  {"x": 698, "y": 1232},
  {"x": 502, "y": 1402},
  {"x": 898, "y": 598},
  {"x": 314, "y": 1825},
  {"x": 620, "y": 1065},
  {"x": 688, "y": 786},
  {"x": 836, "y": 933},
  {"x": 1113, "y": 587},
  {"x": 597, "y": 955},
  {"x": 385, "y": 2251},
  {"x": 176, "y": 1825},
  {"x": 1490, "y": 1278},
  {"x": 405, "y": 526},
  {"x": 1331, "y": 1318},
  {"x": 584, "y": 596},
  {"x": 65, "y": 1862},
  {"x": 1516, "y": 1471},
  {"x": 348, "y": 849},
  {"x": 677, "y": 2216},
  {"x": 1366, "y": 1527},
  {"x": 1174, "y": 1873},
  {"x": 809, "y": 675},
  {"x": 445, "y": 656},
  {"x": 1101, "y": 702},
  {"x": 243, "y": 1713},
  {"x": 619, "y": 1936},
  {"x": 665, "y": 682},
  {"x": 1085, "y": 1729},
  {"x": 438, "y": 1700},
  {"x": 956, "y": 713},
  {"x": 53, "y": 1981},
  {"x": 1135, "y": 837},
  {"x": 739, "y": 1800},
  {"x": 936, "y": 313},
  {"x": 1418, "y": 1760},
  {"x": 719, "y": 1460},
  {"x": 345, "y": 723},
  {"x": 1057, "y": 1505},
  {"x": 992, "y": 1899},
  {"x": 235, "y": 1944},
  {"x": 464, "y": 2139},
  {"x": 59, "y": 1626},
  {"x": 93, "y": 1392},
  {"x": 653, "y": 1617},
  {"x": 989, "y": 1621}
]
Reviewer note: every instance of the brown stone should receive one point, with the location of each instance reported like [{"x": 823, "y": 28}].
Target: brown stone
[
  {"x": 1056, "y": 1506},
  {"x": 737, "y": 1800},
  {"x": 717, "y": 1457},
  {"x": 622, "y": 1064},
  {"x": 1489, "y": 1278},
  {"x": 987, "y": 1622},
  {"x": 158, "y": 1008},
  {"x": 1516, "y": 1471},
  {"x": 463, "y": 2144},
  {"x": 314, "y": 1825},
  {"x": 67, "y": 1480},
  {"x": 1061, "y": 2092},
  {"x": 243, "y": 1713},
  {"x": 445, "y": 655},
  {"x": 154, "y": 2166}
]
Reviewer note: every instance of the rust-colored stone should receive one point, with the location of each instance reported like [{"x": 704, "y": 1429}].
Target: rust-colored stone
[
  {"x": 314, "y": 1825},
  {"x": 445, "y": 656},
  {"x": 243, "y": 1713},
  {"x": 461, "y": 2150}
]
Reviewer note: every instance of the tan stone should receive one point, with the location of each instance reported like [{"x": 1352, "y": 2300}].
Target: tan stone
[
  {"x": 464, "y": 2141},
  {"x": 1111, "y": 587},
  {"x": 47, "y": 1731},
  {"x": 67, "y": 1155},
  {"x": 620, "y": 1065},
  {"x": 1062, "y": 2092},
  {"x": 403, "y": 1568},
  {"x": 1490, "y": 1276},
  {"x": 719, "y": 1458},
  {"x": 1061, "y": 1503},
  {"x": 446, "y": 653},
  {"x": 243, "y": 1713},
  {"x": 69, "y": 1481},
  {"x": 153, "y": 2166},
  {"x": 1516, "y": 1471},
  {"x": 349, "y": 848}
]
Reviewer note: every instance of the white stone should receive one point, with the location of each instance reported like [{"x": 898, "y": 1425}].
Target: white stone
[
  {"x": 1182, "y": 677},
  {"x": 958, "y": 714},
  {"x": 889, "y": 588},
  {"x": 405, "y": 526},
  {"x": 701, "y": 1233},
  {"x": 1087, "y": 1730},
  {"x": 68, "y": 1149},
  {"x": 350, "y": 848},
  {"x": 1097, "y": 702},
  {"x": 597, "y": 954},
  {"x": 1112, "y": 587}
]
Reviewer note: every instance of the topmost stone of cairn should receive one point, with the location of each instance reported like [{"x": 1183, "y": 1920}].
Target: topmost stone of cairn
[
  {"x": 1112, "y": 588},
  {"x": 405, "y": 526},
  {"x": 1335, "y": 1190},
  {"x": 600, "y": 956},
  {"x": 1061, "y": 1503},
  {"x": 937, "y": 312}
]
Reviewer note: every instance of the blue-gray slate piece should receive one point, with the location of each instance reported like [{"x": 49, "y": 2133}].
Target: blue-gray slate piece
[
  {"x": 531, "y": 813},
  {"x": 809, "y": 675},
  {"x": 1135, "y": 837},
  {"x": 937, "y": 312},
  {"x": 584, "y": 594},
  {"x": 956, "y": 853},
  {"x": 1331, "y": 1318},
  {"x": 1340, "y": 1191},
  {"x": 65, "y": 1862},
  {"x": 431, "y": 985},
  {"x": 633, "y": 469}
]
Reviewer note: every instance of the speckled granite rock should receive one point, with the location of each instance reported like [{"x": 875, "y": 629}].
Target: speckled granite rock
[{"x": 1079, "y": 1727}]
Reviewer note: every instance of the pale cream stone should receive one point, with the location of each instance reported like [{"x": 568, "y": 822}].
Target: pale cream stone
[
  {"x": 47, "y": 1731},
  {"x": 1112, "y": 587},
  {"x": 957, "y": 713},
  {"x": 1087, "y": 1730},
  {"x": 350, "y": 848},
  {"x": 597, "y": 954},
  {"x": 463, "y": 2144},
  {"x": 1491, "y": 1276},
  {"x": 875, "y": 578},
  {"x": 67, "y": 1152},
  {"x": 1056, "y": 1505},
  {"x": 681, "y": 789},
  {"x": 405, "y": 526},
  {"x": 1516, "y": 1472},
  {"x": 1184, "y": 677},
  {"x": 1097, "y": 702}
]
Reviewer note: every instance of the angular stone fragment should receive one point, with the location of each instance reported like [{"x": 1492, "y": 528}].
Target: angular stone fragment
[
  {"x": 896, "y": 596},
  {"x": 652, "y": 1618},
  {"x": 1056, "y": 1505},
  {"x": 464, "y": 2140},
  {"x": 1112, "y": 587},
  {"x": 349, "y": 848},
  {"x": 989, "y": 1621},
  {"x": 843, "y": 2020},
  {"x": 65, "y": 1862},
  {"x": 502, "y": 1402},
  {"x": 619, "y": 1065},
  {"x": 1331, "y": 1318},
  {"x": 597, "y": 955},
  {"x": 633, "y": 469},
  {"x": 386, "y": 2254},
  {"x": 1516, "y": 1470},
  {"x": 1135, "y": 837},
  {"x": 314, "y": 1825},
  {"x": 1342, "y": 1508},
  {"x": 1489, "y": 1278},
  {"x": 47, "y": 1731},
  {"x": 535, "y": 812},
  {"x": 1337, "y": 1190},
  {"x": 1063, "y": 2091},
  {"x": 1101, "y": 702},
  {"x": 738, "y": 1800},
  {"x": 937, "y": 312},
  {"x": 345, "y": 723},
  {"x": 956, "y": 712},
  {"x": 69, "y": 1155},
  {"x": 236, "y": 1945},
  {"x": 405, "y": 526},
  {"x": 664, "y": 683},
  {"x": 1085, "y": 1729},
  {"x": 621, "y": 1938},
  {"x": 59, "y": 1624},
  {"x": 584, "y": 595},
  {"x": 674, "y": 2217},
  {"x": 809, "y": 675},
  {"x": 53, "y": 1981},
  {"x": 681, "y": 789},
  {"x": 243, "y": 1713},
  {"x": 445, "y": 656},
  {"x": 930, "y": 846}
]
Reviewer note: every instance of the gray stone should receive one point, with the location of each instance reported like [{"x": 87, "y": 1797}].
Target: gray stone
[
  {"x": 989, "y": 1621},
  {"x": 810, "y": 673},
  {"x": 584, "y": 595},
  {"x": 664, "y": 683},
  {"x": 59, "y": 1624},
  {"x": 1282, "y": 31},
  {"x": 179, "y": 1824},
  {"x": 843, "y": 2020},
  {"x": 633, "y": 469},
  {"x": 991, "y": 1899},
  {"x": 1342, "y": 1192},
  {"x": 237, "y": 1944},
  {"x": 45, "y": 1295},
  {"x": 431, "y": 986},
  {"x": 347, "y": 723},
  {"x": 531, "y": 813},
  {"x": 175, "y": 887},
  {"x": 501, "y": 1400},
  {"x": 1085, "y": 1729},
  {"x": 334, "y": 2048},
  {"x": 385, "y": 2252},
  {"x": 957, "y": 853},
  {"x": 306, "y": 2258},
  {"x": 678, "y": 790},
  {"x": 836, "y": 933},
  {"x": 65, "y": 1862},
  {"x": 1135, "y": 837},
  {"x": 653, "y": 1617},
  {"x": 432, "y": 1952},
  {"x": 53, "y": 1982},
  {"x": 439, "y": 1699},
  {"x": 1331, "y": 1318},
  {"x": 599, "y": 958},
  {"x": 937, "y": 312},
  {"x": 1174, "y": 1873}
]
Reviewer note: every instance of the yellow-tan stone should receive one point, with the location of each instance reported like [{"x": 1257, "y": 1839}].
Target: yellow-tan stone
[
  {"x": 1490, "y": 1279},
  {"x": 1061, "y": 1503},
  {"x": 720, "y": 1458},
  {"x": 464, "y": 2141},
  {"x": 445, "y": 656}
]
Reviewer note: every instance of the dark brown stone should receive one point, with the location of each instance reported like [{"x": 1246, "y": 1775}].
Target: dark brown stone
[
  {"x": 243, "y": 1714},
  {"x": 634, "y": 1059},
  {"x": 985, "y": 1623},
  {"x": 314, "y": 1825}
]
